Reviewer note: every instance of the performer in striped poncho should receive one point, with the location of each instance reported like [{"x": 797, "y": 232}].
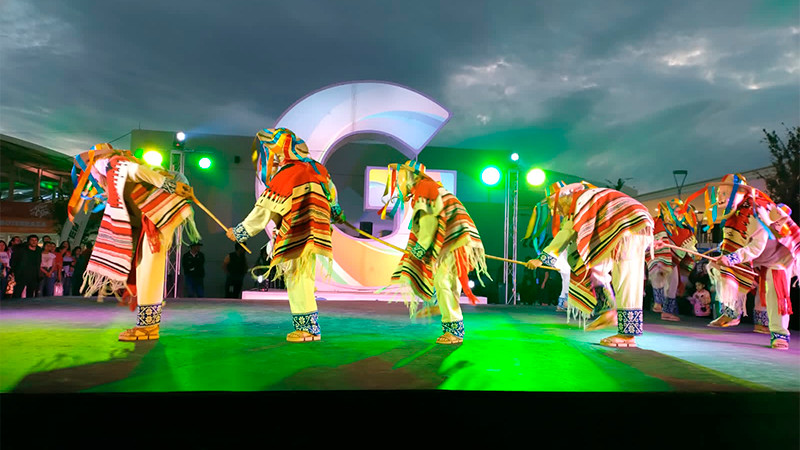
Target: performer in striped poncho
[
  {"x": 759, "y": 235},
  {"x": 443, "y": 247},
  {"x": 300, "y": 201},
  {"x": 668, "y": 265},
  {"x": 143, "y": 207},
  {"x": 611, "y": 232}
]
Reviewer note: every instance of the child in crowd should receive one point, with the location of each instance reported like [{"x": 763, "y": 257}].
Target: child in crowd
[{"x": 701, "y": 300}]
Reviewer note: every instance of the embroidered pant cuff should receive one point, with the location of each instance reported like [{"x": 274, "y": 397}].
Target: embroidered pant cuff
[
  {"x": 775, "y": 336},
  {"x": 629, "y": 322},
  {"x": 307, "y": 323},
  {"x": 760, "y": 318},
  {"x": 670, "y": 306},
  {"x": 148, "y": 315},
  {"x": 730, "y": 312},
  {"x": 658, "y": 296},
  {"x": 454, "y": 328}
]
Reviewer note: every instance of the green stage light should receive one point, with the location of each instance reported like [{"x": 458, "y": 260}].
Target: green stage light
[
  {"x": 204, "y": 163},
  {"x": 153, "y": 158},
  {"x": 490, "y": 175},
  {"x": 535, "y": 177},
  {"x": 515, "y": 157}
]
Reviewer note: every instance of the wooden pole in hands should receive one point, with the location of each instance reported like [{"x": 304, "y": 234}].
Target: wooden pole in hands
[{"x": 217, "y": 220}]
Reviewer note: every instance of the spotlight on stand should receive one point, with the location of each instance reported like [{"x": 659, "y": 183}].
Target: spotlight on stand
[
  {"x": 153, "y": 158},
  {"x": 180, "y": 140},
  {"x": 204, "y": 162},
  {"x": 490, "y": 175},
  {"x": 535, "y": 177}
]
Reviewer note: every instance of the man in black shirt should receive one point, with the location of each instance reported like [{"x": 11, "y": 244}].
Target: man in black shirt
[
  {"x": 25, "y": 263},
  {"x": 235, "y": 267},
  {"x": 193, "y": 264}
]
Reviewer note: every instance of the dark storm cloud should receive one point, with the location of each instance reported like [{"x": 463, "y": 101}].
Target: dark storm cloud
[{"x": 608, "y": 89}]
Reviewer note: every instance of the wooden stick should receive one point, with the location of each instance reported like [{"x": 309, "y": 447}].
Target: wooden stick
[
  {"x": 364, "y": 233},
  {"x": 217, "y": 220},
  {"x": 519, "y": 262},
  {"x": 664, "y": 244},
  {"x": 742, "y": 269}
]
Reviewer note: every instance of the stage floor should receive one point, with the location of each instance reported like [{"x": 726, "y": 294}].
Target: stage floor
[{"x": 69, "y": 345}]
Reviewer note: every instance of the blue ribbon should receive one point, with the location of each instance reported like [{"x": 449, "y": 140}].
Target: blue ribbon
[{"x": 730, "y": 199}]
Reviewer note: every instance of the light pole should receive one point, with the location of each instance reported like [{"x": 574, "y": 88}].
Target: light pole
[
  {"x": 177, "y": 163},
  {"x": 511, "y": 214},
  {"x": 675, "y": 174}
]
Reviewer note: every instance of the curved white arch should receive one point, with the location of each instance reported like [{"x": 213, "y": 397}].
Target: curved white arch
[{"x": 329, "y": 118}]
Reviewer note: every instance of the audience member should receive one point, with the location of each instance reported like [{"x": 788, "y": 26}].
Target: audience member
[
  {"x": 193, "y": 264},
  {"x": 80, "y": 267},
  {"x": 26, "y": 262},
  {"x": 235, "y": 267},
  {"x": 701, "y": 300},
  {"x": 48, "y": 270},
  {"x": 5, "y": 268},
  {"x": 15, "y": 241},
  {"x": 66, "y": 262}
]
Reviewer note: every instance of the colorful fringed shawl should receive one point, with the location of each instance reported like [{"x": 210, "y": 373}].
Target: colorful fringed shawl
[
  {"x": 602, "y": 219},
  {"x": 296, "y": 192},
  {"x": 456, "y": 233},
  {"x": 112, "y": 258},
  {"x": 581, "y": 300},
  {"x": 734, "y": 237},
  {"x": 789, "y": 237},
  {"x": 666, "y": 258},
  {"x": 662, "y": 258}
]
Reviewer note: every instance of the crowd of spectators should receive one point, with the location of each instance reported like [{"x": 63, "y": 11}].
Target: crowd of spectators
[{"x": 37, "y": 269}]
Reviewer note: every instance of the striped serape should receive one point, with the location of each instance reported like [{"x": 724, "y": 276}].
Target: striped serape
[
  {"x": 111, "y": 260},
  {"x": 734, "y": 237},
  {"x": 296, "y": 192},
  {"x": 456, "y": 233},
  {"x": 602, "y": 218}
]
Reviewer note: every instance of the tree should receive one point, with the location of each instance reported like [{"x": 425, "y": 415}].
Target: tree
[
  {"x": 617, "y": 186},
  {"x": 784, "y": 185}
]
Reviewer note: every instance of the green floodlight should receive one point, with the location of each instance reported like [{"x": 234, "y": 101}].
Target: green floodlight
[
  {"x": 153, "y": 158},
  {"x": 490, "y": 175},
  {"x": 204, "y": 163},
  {"x": 515, "y": 157},
  {"x": 535, "y": 177}
]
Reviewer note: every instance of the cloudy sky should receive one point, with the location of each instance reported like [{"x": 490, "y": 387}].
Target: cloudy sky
[{"x": 602, "y": 88}]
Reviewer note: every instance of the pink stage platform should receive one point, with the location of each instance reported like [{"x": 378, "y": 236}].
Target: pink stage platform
[{"x": 277, "y": 294}]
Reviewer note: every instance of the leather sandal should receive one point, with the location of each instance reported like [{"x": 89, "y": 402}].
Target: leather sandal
[
  {"x": 618, "y": 341},
  {"x": 779, "y": 344},
  {"x": 449, "y": 339},
  {"x": 656, "y": 308},
  {"x": 607, "y": 319},
  {"x": 139, "y": 334},
  {"x": 302, "y": 336},
  {"x": 724, "y": 322},
  {"x": 670, "y": 317},
  {"x": 763, "y": 329}
]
